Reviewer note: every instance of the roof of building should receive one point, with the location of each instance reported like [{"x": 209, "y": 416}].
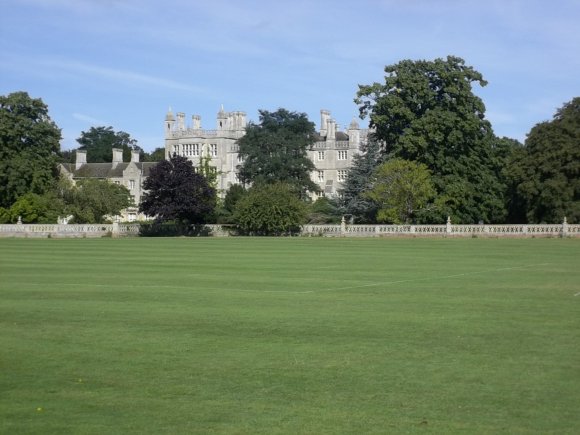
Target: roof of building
[
  {"x": 340, "y": 136},
  {"x": 105, "y": 170}
]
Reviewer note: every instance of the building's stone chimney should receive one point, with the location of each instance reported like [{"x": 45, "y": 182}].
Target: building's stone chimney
[
  {"x": 81, "y": 159},
  {"x": 117, "y": 156},
  {"x": 135, "y": 156}
]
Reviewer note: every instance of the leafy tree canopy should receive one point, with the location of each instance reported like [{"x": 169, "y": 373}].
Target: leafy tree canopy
[
  {"x": 100, "y": 141},
  {"x": 401, "y": 189},
  {"x": 546, "y": 172},
  {"x": 270, "y": 210},
  {"x": 427, "y": 112},
  {"x": 156, "y": 155},
  {"x": 275, "y": 150},
  {"x": 175, "y": 192},
  {"x": 95, "y": 201},
  {"x": 29, "y": 143}
]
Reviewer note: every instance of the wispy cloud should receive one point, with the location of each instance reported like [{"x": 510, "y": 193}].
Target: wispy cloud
[{"x": 89, "y": 119}]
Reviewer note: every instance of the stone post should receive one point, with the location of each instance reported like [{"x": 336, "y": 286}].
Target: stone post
[
  {"x": 565, "y": 227},
  {"x": 115, "y": 232},
  {"x": 342, "y": 227},
  {"x": 448, "y": 228}
]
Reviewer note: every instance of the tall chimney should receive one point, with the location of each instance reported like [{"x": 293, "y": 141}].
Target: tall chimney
[
  {"x": 117, "y": 156},
  {"x": 81, "y": 159},
  {"x": 135, "y": 156}
]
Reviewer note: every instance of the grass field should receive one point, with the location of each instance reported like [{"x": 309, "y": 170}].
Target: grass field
[{"x": 292, "y": 335}]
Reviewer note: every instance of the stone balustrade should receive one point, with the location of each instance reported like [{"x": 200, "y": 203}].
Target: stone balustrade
[{"x": 338, "y": 230}]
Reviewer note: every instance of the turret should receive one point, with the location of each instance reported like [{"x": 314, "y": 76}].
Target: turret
[
  {"x": 169, "y": 124},
  {"x": 353, "y": 134},
  {"x": 222, "y": 119}
]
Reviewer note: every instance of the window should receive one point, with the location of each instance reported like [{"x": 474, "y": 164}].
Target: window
[
  {"x": 320, "y": 175},
  {"x": 213, "y": 150},
  {"x": 195, "y": 150},
  {"x": 131, "y": 184},
  {"x": 321, "y": 155},
  {"x": 341, "y": 174},
  {"x": 240, "y": 159},
  {"x": 343, "y": 155}
]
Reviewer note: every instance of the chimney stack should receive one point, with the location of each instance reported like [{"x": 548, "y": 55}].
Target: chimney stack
[
  {"x": 135, "y": 156},
  {"x": 117, "y": 156},
  {"x": 81, "y": 159}
]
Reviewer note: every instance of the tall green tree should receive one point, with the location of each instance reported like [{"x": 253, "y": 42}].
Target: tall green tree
[
  {"x": 546, "y": 172},
  {"x": 100, "y": 141},
  {"x": 175, "y": 192},
  {"x": 275, "y": 150},
  {"x": 29, "y": 143},
  {"x": 352, "y": 196},
  {"x": 156, "y": 155},
  {"x": 401, "y": 189},
  {"x": 426, "y": 111}
]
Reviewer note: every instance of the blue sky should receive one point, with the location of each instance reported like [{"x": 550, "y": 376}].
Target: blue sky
[{"x": 123, "y": 63}]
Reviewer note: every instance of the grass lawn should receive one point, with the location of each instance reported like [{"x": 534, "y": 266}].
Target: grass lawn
[{"x": 290, "y": 335}]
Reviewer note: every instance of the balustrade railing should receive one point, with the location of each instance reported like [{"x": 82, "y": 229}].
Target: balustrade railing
[{"x": 329, "y": 230}]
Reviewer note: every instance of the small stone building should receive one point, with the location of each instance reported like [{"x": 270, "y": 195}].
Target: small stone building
[{"x": 129, "y": 174}]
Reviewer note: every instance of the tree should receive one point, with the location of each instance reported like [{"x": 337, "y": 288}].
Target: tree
[
  {"x": 270, "y": 210},
  {"x": 324, "y": 211},
  {"x": 35, "y": 208},
  {"x": 275, "y": 150},
  {"x": 156, "y": 155},
  {"x": 546, "y": 172},
  {"x": 426, "y": 112},
  {"x": 357, "y": 182},
  {"x": 176, "y": 193},
  {"x": 95, "y": 201},
  {"x": 100, "y": 141},
  {"x": 29, "y": 143},
  {"x": 401, "y": 189}
]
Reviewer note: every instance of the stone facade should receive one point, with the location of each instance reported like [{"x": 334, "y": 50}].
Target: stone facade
[
  {"x": 332, "y": 153},
  {"x": 129, "y": 174}
]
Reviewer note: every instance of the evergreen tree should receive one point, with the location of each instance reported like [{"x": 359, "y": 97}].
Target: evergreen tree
[
  {"x": 352, "y": 196},
  {"x": 100, "y": 141}
]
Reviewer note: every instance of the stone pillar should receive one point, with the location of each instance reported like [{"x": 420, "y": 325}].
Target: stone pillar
[
  {"x": 115, "y": 232},
  {"x": 342, "y": 227},
  {"x": 565, "y": 227},
  {"x": 448, "y": 229}
]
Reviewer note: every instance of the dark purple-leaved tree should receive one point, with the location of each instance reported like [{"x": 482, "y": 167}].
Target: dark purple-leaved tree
[{"x": 176, "y": 193}]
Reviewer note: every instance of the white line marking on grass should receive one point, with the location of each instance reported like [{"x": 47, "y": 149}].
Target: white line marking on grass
[
  {"x": 577, "y": 294},
  {"x": 375, "y": 284}
]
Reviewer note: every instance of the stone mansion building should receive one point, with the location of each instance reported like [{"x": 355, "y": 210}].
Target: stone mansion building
[{"x": 332, "y": 154}]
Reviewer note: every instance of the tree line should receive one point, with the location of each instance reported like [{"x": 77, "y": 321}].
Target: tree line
[{"x": 431, "y": 154}]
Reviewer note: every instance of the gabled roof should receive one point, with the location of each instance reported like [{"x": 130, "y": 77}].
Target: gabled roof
[{"x": 105, "y": 170}]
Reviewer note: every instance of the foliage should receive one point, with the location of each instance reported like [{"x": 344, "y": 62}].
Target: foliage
[
  {"x": 35, "y": 208},
  {"x": 401, "y": 189},
  {"x": 546, "y": 173},
  {"x": 426, "y": 112},
  {"x": 226, "y": 207},
  {"x": 156, "y": 155},
  {"x": 352, "y": 197},
  {"x": 176, "y": 193},
  {"x": 100, "y": 141},
  {"x": 324, "y": 211},
  {"x": 29, "y": 143},
  {"x": 270, "y": 210},
  {"x": 275, "y": 150},
  {"x": 95, "y": 201}
]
